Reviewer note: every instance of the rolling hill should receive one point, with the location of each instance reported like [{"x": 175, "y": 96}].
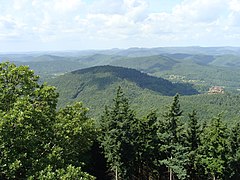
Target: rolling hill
[
  {"x": 202, "y": 66},
  {"x": 96, "y": 87}
]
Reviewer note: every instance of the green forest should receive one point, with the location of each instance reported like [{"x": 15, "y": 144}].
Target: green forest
[{"x": 41, "y": 140}]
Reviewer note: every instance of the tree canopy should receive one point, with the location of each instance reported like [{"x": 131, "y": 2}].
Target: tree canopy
[
  {"x": 40, "y": 141},
  {"x": 31, "y": 139}
]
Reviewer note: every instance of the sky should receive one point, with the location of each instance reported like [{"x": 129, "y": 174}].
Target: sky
[{"x": 46, "y": 25}]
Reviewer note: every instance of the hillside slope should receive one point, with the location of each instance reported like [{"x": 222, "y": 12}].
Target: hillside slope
[
  {"x": 100, "y": 82},
  {"x": 96, "y": 87}
]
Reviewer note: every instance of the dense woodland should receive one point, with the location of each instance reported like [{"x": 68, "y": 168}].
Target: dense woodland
[
  {"x": 201, "y": 66},
  {"x": 40, "y": 141},
  {"x": 96, "y": 87}
]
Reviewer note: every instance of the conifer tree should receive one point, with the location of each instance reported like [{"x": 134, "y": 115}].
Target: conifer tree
[
  {"x": 172, "y": 139},
  {"x": 118, "y": 139},
  {"x": 148, "y": 150},
  {"x": 192, "y": 143},
  {"x": 234, "y": 162},
  {"x": 215, "y": 150}
]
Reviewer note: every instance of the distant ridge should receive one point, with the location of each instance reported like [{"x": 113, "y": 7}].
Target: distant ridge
[{"x": 141, "y": 79}]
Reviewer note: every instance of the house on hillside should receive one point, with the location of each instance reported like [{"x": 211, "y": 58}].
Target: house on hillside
[{"x": 216, "y": 90}]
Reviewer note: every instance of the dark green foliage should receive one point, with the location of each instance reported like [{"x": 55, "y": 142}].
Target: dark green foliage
[
  {"x": 234, "y": 140},
  {"x": 96, "y": 87},
  {"x": 214, "y": 152},
  {"x": 118, "y": 137},
  {"x": 172, "y": 137},
  {"x": 193, "y": 132},
  {"x": 166, "y": 146},
  {"x": 147, "y": 151},
  {"x": 37, "y": 141},
  {"x": 143, "y": 80},
  {"x": 172, "y": 119},
  {"x": 130, "y": 145},
  {"x": 192, "y": 143}
]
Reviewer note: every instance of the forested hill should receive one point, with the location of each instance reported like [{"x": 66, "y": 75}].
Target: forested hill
[
  {"x": 107, "y": 75},
  {"x": 93, "y": 84},
  {"x": 203, "y": 67}
]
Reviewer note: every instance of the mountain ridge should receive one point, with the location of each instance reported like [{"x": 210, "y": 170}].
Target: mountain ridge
[{"x": 141, "y": 79}]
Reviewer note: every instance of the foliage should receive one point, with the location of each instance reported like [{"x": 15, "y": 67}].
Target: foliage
[
  {"x": 30, "y": 136},
  {"x": 192, "y": 142},
  {"x": 14, "y": 83},
  {"x": 75, "y": 133},
  {"x": 234, "y": 140},
  {"x": 215, "y": 149},
  {"x": 70, "y": 172},
  {"x": 171, "y": 135},
  {"x": 37, "y": 141},
  {"x": 118, "y": 137},
  {"x": 96, "y": 87}
]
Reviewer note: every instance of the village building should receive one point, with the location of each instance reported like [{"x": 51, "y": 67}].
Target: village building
[{"x": 216, "y": 90}]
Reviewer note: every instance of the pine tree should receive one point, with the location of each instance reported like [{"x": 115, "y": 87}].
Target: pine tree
[
  {"x": 148, "y": 150},
  {"x": 118, "y": 138},
  {"x": 234, "y": 162},
  {"x": 171, "y": 135},
  {"x": 214, "y": 152},
  {"x": 192, "y": 144}
]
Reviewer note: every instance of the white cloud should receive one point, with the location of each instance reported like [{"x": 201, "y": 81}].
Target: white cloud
[
  {"x": 135, "y": 9},
  {"x": 235, "y": 5},
  {"x": 114, "y": 22},
  {"x": 107, "y": 7},
  {"x": 10, "y": 27},
  {"x": 67, "y": 5},
  {"x": 195, "y": 21},
  {"x": 201, "y": 10}
]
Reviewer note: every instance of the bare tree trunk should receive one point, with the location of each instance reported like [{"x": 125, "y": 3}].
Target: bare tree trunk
[
  {"x": 116, "y": 174},
  {"x": 170, "y": 173},
  {"x": 214, "y": 178}
]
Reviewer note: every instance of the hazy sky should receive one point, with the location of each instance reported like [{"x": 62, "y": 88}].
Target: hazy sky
[{"x": 28, "y": 25}]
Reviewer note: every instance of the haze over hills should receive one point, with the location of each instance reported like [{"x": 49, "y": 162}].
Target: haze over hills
[
  {"x": 133, "y": 52},
  {"x": 120, "y": 89},
  {"x": 202, "y": 66}
]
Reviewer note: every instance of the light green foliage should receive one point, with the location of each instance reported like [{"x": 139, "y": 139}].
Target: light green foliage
[
  {"x": 27, "y": 116},
  {"x": 70, "y": 172},
  {"x": 28, "y": 120},
  {"x": 75, "y": 133},
  {"x": 14, "y": 83}
]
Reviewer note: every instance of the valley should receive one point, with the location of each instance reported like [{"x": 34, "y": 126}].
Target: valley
[
  {"x": 136, "y": 112},
  {"x": 148, "y": 77}
]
